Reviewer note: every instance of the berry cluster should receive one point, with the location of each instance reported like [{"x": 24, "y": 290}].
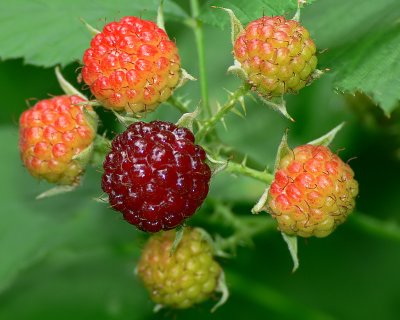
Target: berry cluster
[
  {"x": 181, "y": 279},
  {"x": 313, "y": 192},
  {"x": 155, "y": 175},
  {"x": 132, "y": 65},
  {"x": 277, "y": 55}
]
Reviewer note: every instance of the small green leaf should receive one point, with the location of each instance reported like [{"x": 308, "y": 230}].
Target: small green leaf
[{"x": 291, "y": 242}]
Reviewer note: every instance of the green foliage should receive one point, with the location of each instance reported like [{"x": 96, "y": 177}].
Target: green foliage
[
  {"x": 363, "y": 46},
  {"x": 50, "y": 32},
  {"x": 245, "y": 10}
]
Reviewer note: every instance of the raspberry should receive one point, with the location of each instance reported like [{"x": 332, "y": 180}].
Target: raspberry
[
  {"x": 313, "y": 192},
  {"x": 131, "y": 65},
  {"x": 277, "y": 55},
  {"x": 155, "y": 175},
  {"x": 186, "y": 277},
  {"x": 52, "y": 134}
]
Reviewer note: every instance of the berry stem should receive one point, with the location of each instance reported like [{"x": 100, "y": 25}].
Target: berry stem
[
  {"x": 233, "y": 98},
  {"x": 245, "y": 228},
  {"x": 242, "y": 169},
  {"x": 197, "y": 27},
  {"x": 249, "y": 228},
  {"x": 177, "y": 104},
  {"x": 384, "y": 229}
]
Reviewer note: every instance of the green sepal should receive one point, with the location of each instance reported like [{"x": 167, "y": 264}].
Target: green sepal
[
  {"x": 179, "y": 231},
  {"x": 160, "y": 15},
  {"x": 187, "y": 119},
  {"x": 92, "y": 30},
  {"x": 56, "y": 191},
  {"x": 183, "y": 78},
  {"x": 68, "y": 88},
  {"x": 291, "y": 242},
  {"x": 84, "y": 157},
  {"x": 236, "y": 25},
  {"x": 327, "y": 138},
  {"x": 277, "y": 104},
  {"x": 283, "y": 150},
  {"x": 223, "y": 289}
]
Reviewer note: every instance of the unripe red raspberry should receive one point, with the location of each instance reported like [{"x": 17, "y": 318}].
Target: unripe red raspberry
[
  {"x": 52, "y": 134},
  {"x": 277, "y": 55},
  {"x": 155, "y": 175},
  {"x": 131, "y": 65},
  {"x": 313, "y": 192},
  {"x": 184, "y": 278}
]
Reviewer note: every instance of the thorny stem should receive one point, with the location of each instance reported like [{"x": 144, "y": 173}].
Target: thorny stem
[
  {"x": 233, "y": 98},
  {"x": 245, "y": 228},
  {"x": 197, "y": 27},
  {"x": 250, "y": 227}
]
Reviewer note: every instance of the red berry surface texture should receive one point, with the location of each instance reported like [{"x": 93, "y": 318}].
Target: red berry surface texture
[
  {"x": 313, "y": 192},
  {"x": 155, "y": 175},
  {"x": 53, "y": 133},
  {"x": 184, "y": 278},
  {"x": 131, "y": 65},
  {"x": 277, "y": 55}
]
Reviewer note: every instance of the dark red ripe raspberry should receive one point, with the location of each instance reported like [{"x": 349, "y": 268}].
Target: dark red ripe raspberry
[{"x": 155, "y": 175}]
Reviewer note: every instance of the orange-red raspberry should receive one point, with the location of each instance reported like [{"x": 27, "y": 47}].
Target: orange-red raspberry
[
  {"x": 313, "y": 192},
  {"x": 277, "y": 55},
  {"x": 131, "y": 65},
  {"x": 52, "y": 134}
]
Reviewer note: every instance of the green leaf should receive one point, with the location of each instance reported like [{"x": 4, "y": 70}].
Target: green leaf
[
  {"x": 373, "y": 67},
  {"x": 363, "y": 49},
  {"x": 31, "y": 228},
  {"x": 50, "y": 32},
  {"x": 90, "y": 284},
  {"x": 245, "y": 10}
]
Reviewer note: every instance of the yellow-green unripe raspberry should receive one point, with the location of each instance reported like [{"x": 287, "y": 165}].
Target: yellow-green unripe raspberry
[
  {"x": 183, "y": 278},
  {"x": 313, "y": 192},
  {"x": 277, "y": 55}
]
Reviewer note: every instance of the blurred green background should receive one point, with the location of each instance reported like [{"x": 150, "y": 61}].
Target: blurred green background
[{"x": 72, "y": 257}]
